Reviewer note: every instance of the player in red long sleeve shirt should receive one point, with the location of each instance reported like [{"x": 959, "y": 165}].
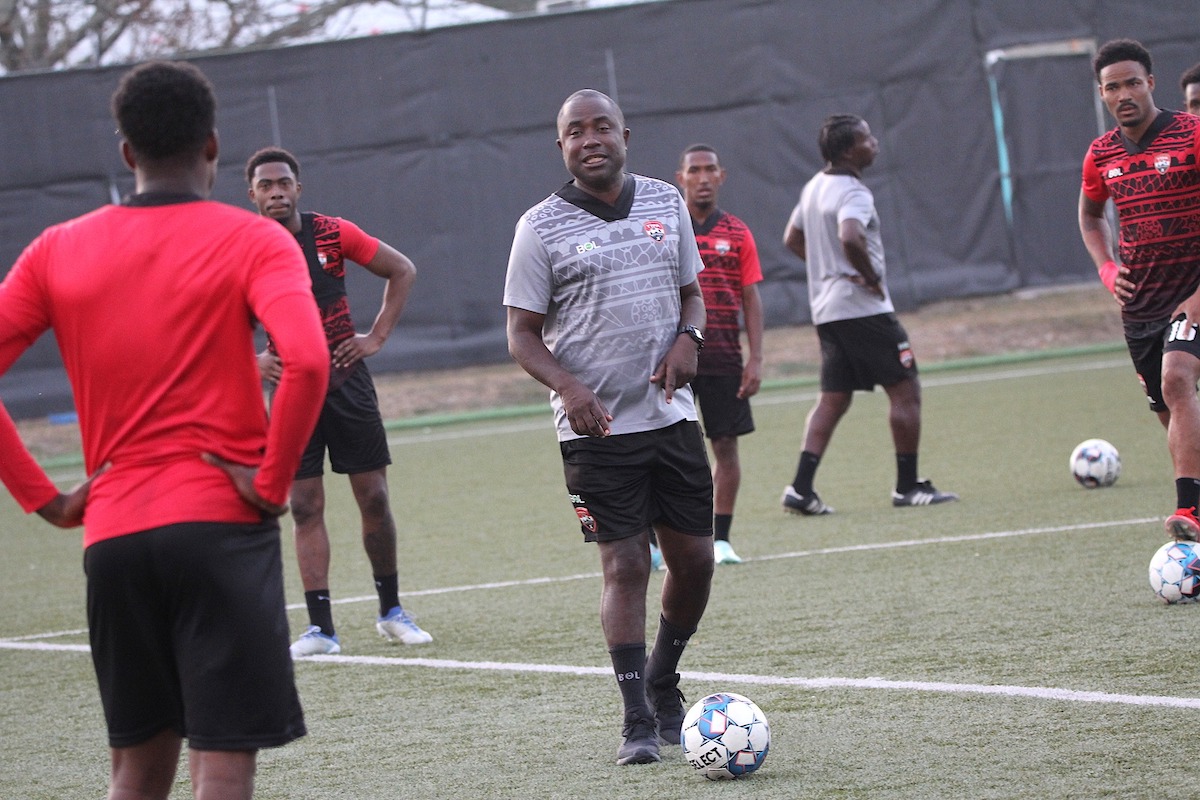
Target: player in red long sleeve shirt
[{"x": 153, "y": 303}]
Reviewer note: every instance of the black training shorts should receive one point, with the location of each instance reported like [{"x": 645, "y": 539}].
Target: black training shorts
[
  {"x": 860, "y": 354},
  {"x": 723, "y": 412},
  {"x": 622, "y": 485},
  {"x": 350, "y": 428},
  {"x": 189, "y": 633}
]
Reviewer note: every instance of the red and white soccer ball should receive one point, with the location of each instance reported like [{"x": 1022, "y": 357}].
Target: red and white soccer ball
[{"x": 1095, "y": 463}]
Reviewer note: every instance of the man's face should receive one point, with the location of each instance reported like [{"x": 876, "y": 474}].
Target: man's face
[
  {"x": 865, "y": 148},
  {"x": 1127, "y": 89},
  {"x": 275, "y": 190},
  {"x": 1191, "y": 98},
  {"x": 699, "y": 177},
  {"x": 593, "y": 137}
]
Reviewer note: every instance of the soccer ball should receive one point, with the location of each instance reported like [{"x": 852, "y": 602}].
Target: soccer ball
[
  {"x": 1095, "y": 463},
  {"x": 1175, "y": 572},
  {"x": 725, "y": 736}
]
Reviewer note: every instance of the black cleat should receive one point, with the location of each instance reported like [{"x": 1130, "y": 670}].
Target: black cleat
[
  {"x": 639, "y": 744},
  {"x": 667, "y": 702}
]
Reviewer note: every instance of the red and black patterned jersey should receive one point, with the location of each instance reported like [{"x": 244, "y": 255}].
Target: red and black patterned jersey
[
  {"x": 335, "y": 240},
  {"x": 1155, "y": 186},
  {"x": 730, "y": 264}
]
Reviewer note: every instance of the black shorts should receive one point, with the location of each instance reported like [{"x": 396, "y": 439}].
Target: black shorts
[
  {"x": 860, "y": 354},
  {"x": 622, "y": 485},
  {"x": 350, "y": 428},
  {"x": 723, "y": 412},
  {"x": 1147, "y": 341},
  {"x": 189, "y": 633}
]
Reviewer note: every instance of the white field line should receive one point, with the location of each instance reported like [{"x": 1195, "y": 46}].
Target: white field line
[
  {"x": 1046, "y": 693},
  {"x": 1035, "y": 692}
]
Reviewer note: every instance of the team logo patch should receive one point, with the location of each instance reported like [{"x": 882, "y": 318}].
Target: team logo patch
[
  {"x": 586, "y": 519},
  {"x": 655, "y": 230},
  {"x": 907, "y": 358},
  {"x": 1162, "y": 164},
  {"x": 722, "y": 246}
]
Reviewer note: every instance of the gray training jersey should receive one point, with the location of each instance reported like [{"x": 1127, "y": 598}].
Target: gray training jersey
[
  {"x": 608, "y": 283},
  {"x": 825, "y": 202}
]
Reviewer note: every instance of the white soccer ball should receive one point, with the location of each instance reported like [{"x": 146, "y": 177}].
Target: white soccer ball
[
  {"x": 1175, "y": 572},
  {"x": 725, "y": 736},
  {"x": 1095, "y": 463}
]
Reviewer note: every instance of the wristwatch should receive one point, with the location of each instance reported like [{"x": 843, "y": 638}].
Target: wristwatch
[{"x": 693, "y": 333}]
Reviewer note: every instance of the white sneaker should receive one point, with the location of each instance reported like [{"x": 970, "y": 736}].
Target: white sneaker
[
  {"x": 398, "y": 626},
  {"x": 314, "y": 643},
  {"x": 723, "y": 553},
  {"x": 656, "y": 560}
]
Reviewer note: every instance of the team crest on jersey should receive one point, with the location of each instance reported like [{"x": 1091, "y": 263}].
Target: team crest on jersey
[
  {"x": 321, "y": 259},
  {"x": 722, "y": 246},
  {"x": 1162, "y": 164},
  {"x": 655, "y": 229},
  {"x": 586, "y": 519}
]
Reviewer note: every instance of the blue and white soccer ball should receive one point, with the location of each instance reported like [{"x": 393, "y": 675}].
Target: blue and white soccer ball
[
  {"x": 725, "y": 735},
  {"x": 1095, "y": 463},
  {"x": 1175, "y": 572}
]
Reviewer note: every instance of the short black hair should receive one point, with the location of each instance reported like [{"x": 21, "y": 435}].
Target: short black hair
[
  {"x": 165, "y": 109},
  {"x": 1121, "y": 50},
  {"x": 699, "y": 147},
  {"x": 271, "y": 155},
  {"x": 1190, "y": 77},
  {"x": 837, "y": 135}
]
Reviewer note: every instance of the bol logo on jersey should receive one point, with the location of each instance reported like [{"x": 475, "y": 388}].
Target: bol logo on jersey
[{"x": 654, "y": 229}]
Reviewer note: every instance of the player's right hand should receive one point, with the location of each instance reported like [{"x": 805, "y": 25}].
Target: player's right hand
[
  {"x": 66, "y": 510},
  {"x": 585, "y": 412},
  {"x": 243, "y": 480}
]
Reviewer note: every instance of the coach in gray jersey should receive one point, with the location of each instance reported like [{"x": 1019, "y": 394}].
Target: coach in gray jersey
[{"x": 604, "y": 308}]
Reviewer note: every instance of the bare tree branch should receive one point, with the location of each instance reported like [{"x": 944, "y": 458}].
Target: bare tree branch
[{"x": 56, "y": 34}]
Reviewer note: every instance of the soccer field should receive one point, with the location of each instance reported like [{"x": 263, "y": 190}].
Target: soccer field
[{"x": 1004, "y": 646}]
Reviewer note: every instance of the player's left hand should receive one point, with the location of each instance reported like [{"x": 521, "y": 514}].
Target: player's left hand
[
  {"x": 751, "y": 380},
  {"x": 875, "y": 288},
  {"x": 243, "y": 480},
  {"x": 355, "y": 349},
  {"x": 677, "y": 368}
]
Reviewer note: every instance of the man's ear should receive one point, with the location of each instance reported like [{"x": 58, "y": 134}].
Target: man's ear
[{"x": 127, "y": 155}]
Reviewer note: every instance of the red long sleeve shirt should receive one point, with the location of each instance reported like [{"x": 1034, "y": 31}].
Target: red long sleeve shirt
[{"x": 154, "y": 310}]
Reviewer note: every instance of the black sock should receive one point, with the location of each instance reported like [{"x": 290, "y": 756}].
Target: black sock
[
  {"x": 389, "y": 592},
  {"x": 805, "y": 473},
  {"x": 668, "y": 649},
  {"x": 721, "y": 525},
  {"x": 1187, "y": 492},
  {"x": 906, "y": 472},
  {"x": 629, "y": 664},
  {"x": 320, "y": 611}
]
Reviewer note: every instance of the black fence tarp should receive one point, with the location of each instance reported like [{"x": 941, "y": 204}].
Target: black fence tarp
[{"x": 437, "y": 141}]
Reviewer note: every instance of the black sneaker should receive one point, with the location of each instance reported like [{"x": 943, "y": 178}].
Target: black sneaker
[
  {"x": 667, "y": 703},
  {"x": 807, "y": 504},
  {"x": 923, "y": 494},
  {"x": 639, "y": 743}
]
